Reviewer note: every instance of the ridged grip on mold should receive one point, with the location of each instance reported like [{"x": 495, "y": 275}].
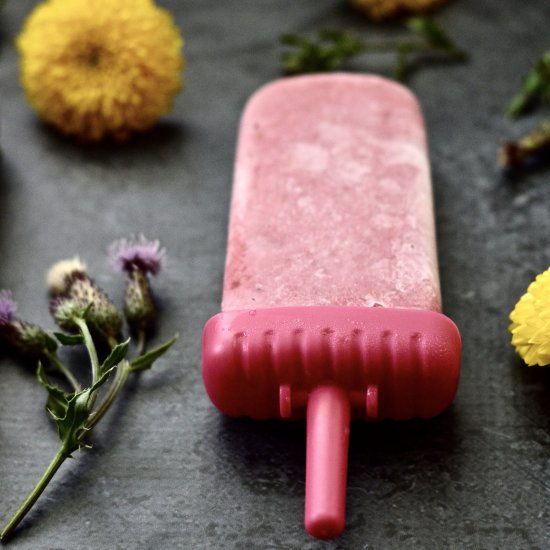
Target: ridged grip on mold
[{"x": 411, "y": 356}]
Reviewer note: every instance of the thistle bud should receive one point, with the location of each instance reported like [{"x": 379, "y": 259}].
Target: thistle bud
[
  {"x": 74, "y": 293},
  {"x": 139, "y": 307},
  {"x": 65, "y": 310},
  {"x": 138, "y": 258},
  {"x": 24, "y": 338}
]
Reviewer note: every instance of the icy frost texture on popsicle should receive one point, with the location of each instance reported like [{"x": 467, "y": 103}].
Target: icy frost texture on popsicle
[{"x": 338, "y": 211}]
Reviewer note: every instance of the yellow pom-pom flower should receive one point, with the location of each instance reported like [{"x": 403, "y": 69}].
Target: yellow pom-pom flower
[
  {"x": 530, "y": 325},
  {"x": 378, "y": 10},
  {"x": 100, "y": 68}
]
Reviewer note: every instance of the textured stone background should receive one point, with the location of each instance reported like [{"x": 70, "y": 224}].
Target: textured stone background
[{"x": 167, "y": 470}]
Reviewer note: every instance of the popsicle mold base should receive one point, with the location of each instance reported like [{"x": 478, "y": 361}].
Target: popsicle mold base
[
  {"x": 392, "y": 362},
  {"x": 330, "y": 363}
]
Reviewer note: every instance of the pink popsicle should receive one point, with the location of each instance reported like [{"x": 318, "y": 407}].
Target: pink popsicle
[
  {"x": 331, "y": 216},
  {"x": 332, "y": 199}
]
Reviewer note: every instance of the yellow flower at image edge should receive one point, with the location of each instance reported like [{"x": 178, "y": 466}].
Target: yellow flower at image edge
[
  {"x": 377, "y": 10},
  {"x": 530, "y": 325},
  {"x": 100, "y": 68}
]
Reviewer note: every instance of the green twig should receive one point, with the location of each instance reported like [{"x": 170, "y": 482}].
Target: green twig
[
  {"x": 122, "y": 373},
  {"x": 330, "y": 50},
  {"x": 33, "y": 496},
  {"x": 65, "y": 371}
]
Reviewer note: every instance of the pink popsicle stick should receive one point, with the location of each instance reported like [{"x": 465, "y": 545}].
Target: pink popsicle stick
[{"x": 328, "y": 418}]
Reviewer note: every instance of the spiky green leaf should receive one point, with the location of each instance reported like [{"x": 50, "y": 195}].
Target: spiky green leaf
[
  {"x": 118, "y": 353},
  {"x": 145, "y": 361},
  {"x": 58, "y": 399},
  {"x": 72, "y": 424}
]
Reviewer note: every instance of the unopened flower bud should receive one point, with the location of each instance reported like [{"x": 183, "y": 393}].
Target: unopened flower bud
[
  {"x": 32, "y": 340},
  {"x": 65, "y": 310},
  {"x": 24, "y": 338},
  {"x": 73, "y": 291},
  {"x": 139, "y": 307},
  {"x": 138, "y": 258}
]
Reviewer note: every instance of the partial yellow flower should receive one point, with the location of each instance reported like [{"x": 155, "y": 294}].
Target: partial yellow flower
[
  {"x": 378, "y": 10},
  {"x": 530, "y": 325},
  {"x": 100, "y": 68}
]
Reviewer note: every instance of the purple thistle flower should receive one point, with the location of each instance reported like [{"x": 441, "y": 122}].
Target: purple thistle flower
[
  {"x": 130, "y": 255},
  {"x": 7, "y": 307}
]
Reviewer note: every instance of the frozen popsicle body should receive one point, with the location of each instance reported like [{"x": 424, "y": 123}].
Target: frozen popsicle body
[
  {"x": 332, "y": 201},
  {"x": 331, "y": 301}
]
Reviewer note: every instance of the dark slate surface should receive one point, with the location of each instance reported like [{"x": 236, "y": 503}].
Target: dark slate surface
[{"x": 167, "y": 470}]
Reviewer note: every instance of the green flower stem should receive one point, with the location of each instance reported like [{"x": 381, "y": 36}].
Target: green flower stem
[
  {"x": 90, "y": 346},
  {"x": 141, "y": 342},
  {"x": 65, "y": 371},
  {"x": 28, "y": 503},
  {"x": 92, "y": 352},
  {"x": 122, "y": 373}
]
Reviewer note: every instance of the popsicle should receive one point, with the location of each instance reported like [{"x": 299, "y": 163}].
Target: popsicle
[{"x": 331, "y": 304}]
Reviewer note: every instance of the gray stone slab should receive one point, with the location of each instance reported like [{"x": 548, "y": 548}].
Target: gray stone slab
[{"x": 166, "y": 469}]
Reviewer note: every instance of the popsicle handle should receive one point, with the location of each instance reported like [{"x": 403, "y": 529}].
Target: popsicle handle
[{"x": 328, "y": 423}]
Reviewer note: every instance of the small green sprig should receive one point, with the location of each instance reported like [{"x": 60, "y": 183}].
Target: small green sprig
[
  {"x": 331, "y": 49},
  {"x": 87, "y": 317},
  {"x": 535, "y": 88}
]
